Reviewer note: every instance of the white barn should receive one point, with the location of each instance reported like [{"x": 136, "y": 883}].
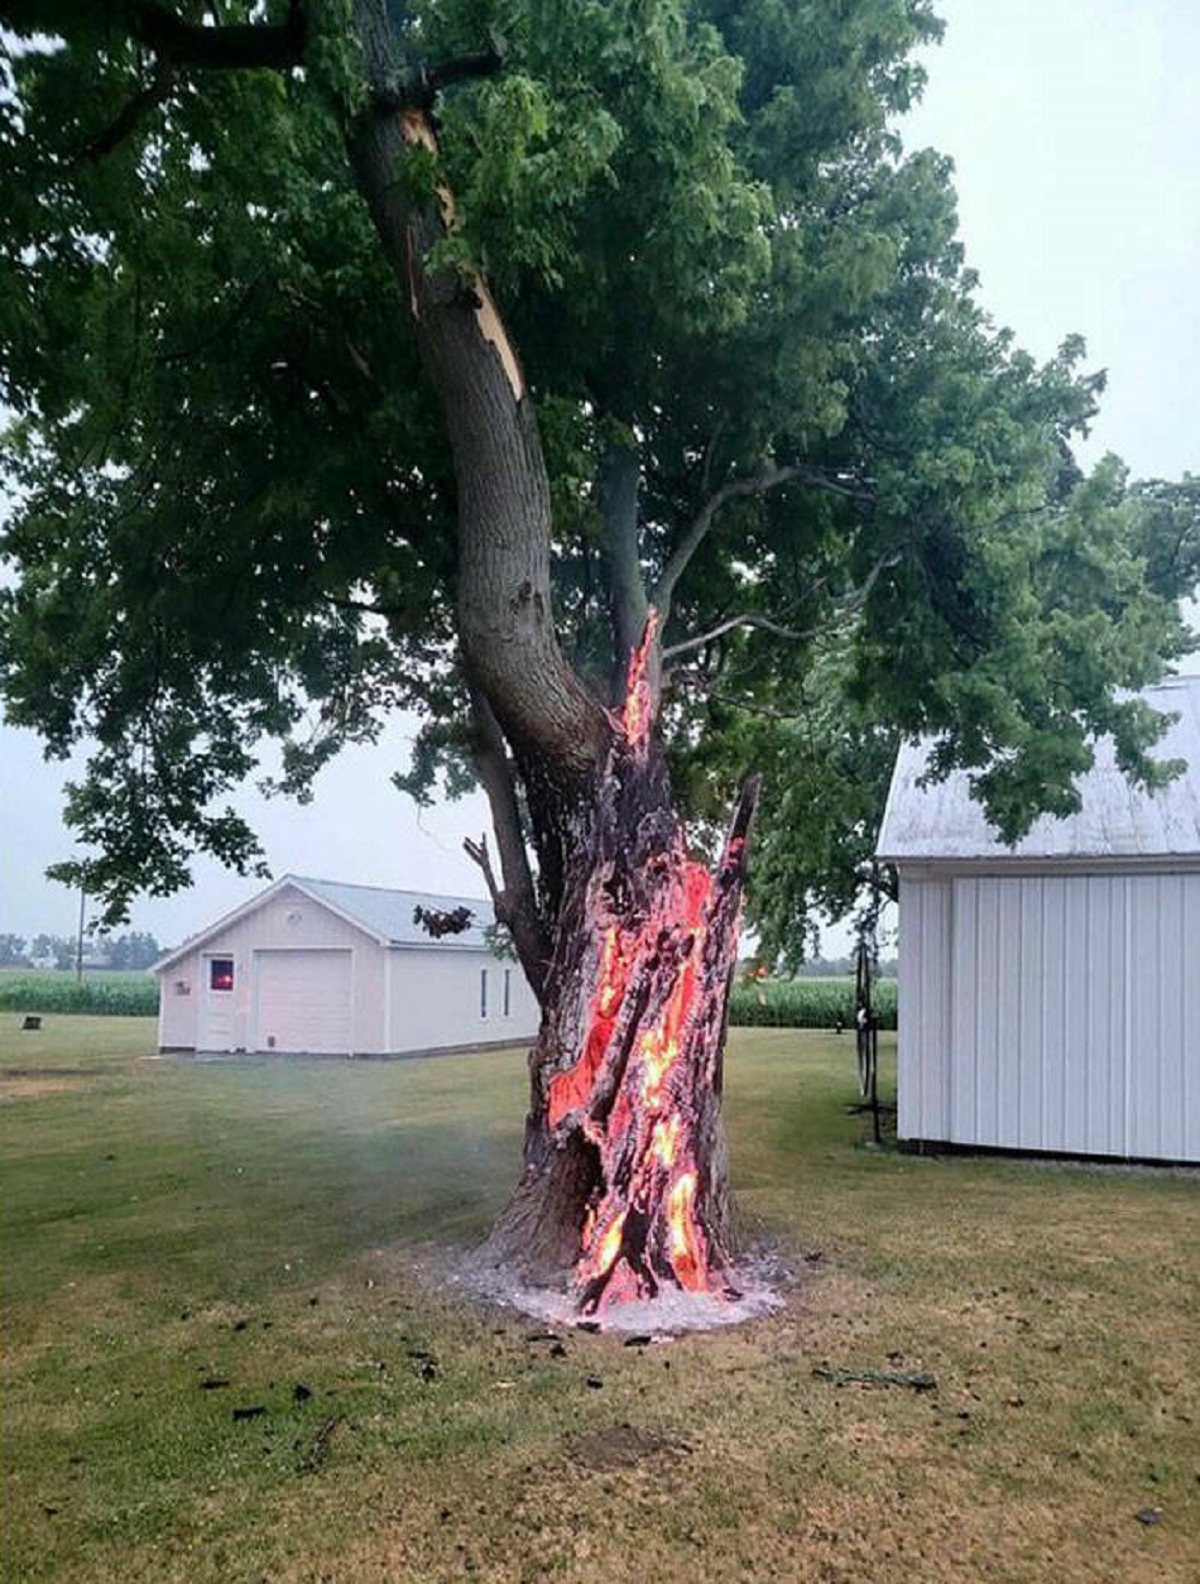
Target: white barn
[
  {"x": 1050, "y": 992},
  {"x": 316, "y": 967}
]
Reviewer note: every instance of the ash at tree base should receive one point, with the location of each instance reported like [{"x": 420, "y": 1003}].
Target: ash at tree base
[{"x": 674, "y": 1311}]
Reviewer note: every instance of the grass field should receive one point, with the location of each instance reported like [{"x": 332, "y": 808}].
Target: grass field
[
  {"x": 771, "y": 1003},
  {"x": 171, "y": 1226}
]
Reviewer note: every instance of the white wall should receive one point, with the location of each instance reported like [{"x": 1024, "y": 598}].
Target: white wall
[
  {"x": 1052, "y": 1012},
  {"x": 434, "y": 999},
  {"x": 923, "y": 1019},
  {"x": 287, "y": 920}
]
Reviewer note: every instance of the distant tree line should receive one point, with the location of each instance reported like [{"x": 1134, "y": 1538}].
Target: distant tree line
[
  {"x": 841, "y": 967},
  {"x": 134, "y": 949}
]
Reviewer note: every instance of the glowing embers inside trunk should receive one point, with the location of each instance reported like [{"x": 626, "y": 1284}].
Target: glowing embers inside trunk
[
  {"x": 644, "y": 1232},
  {"x": 643, "y": 1088}
]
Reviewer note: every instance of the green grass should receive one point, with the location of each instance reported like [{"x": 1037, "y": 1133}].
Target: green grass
[
  {"x": 807, "y": 1003},
  {"x": 275, "y": 1223},
  {"x": 102, "y": 992}
]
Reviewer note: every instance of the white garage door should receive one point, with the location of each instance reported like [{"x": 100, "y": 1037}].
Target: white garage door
[{"x": 304, "y": 1001}]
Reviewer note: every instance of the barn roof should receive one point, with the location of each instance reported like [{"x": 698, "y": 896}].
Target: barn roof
[
  {"x": 388, "y": 915},
  {"x": 384, "y": 914},
  {"x": 1115, "y": 820}
]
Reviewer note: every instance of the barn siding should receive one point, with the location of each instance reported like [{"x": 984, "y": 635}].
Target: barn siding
[
  {"x": 1070, "y": 1008},
  {"x": 434, "y": 999},
  {"x": 924, "y": 1011}
]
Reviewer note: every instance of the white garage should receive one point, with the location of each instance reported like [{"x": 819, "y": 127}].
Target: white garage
[
  {"x": 322, "y": 968},
  {"x": 1049, "y": 995}
]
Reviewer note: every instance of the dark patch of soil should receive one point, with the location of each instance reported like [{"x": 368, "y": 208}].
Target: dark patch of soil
[{"x": 619, "y": 1447}]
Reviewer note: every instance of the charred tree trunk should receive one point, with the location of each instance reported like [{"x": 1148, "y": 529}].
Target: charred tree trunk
[{"x": 625, "y": 1178}]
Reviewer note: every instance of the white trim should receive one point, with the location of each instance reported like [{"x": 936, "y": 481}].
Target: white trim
[
  {"x": 385, "y": 1042},
  {"x": 1007, "y": 865}
]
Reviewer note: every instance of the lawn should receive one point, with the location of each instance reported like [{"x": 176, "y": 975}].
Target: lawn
[{"x": 172, "y": 1226}]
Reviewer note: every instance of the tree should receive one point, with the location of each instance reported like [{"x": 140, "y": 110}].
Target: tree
[
  {"x": 132, "y": 949},
  {"x": 613, "y": 391},
  {"x": 12, "y": 951}
]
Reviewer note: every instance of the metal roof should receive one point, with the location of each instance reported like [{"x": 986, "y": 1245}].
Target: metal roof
[
  {"x": 388, "y": 915},
  {"x": 1115, "y": 820},
  {"x": 384, "y": 914}
]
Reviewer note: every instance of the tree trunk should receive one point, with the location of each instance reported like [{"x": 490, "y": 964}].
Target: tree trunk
[
  {"x": 625, "y": 1177},
  {"x": 625, "y": 1180}
]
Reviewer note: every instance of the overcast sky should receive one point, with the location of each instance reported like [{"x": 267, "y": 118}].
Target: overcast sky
[{"x": 1074, "y": 125}]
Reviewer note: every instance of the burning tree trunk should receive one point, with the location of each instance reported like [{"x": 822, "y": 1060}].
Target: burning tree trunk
[
  {"x": 625, "y": 1166},
  {"x": 628, "y": 942}
]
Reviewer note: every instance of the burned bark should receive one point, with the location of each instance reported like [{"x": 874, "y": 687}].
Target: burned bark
[{"x": 625, "y": 1180}]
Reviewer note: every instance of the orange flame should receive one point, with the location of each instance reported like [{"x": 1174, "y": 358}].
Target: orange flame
[
  {"x": 664, "y": 1141},
  {"x": 610, "y": 1245},
  {"x": 638, "y": 713},
  {"x": 687, "y": 1255}
]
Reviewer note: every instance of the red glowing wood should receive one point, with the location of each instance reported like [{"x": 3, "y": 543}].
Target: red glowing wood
[
  {"x": 644, "y": 1088},
  {"x": 637, "y": 717},
  {"x": 624, "y": 1181}
]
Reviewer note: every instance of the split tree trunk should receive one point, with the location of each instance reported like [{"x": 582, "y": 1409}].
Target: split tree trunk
[{"x": 625, "y": 1180}]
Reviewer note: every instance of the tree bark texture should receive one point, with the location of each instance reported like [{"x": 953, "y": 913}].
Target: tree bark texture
[{"x": 505, "y": 618}]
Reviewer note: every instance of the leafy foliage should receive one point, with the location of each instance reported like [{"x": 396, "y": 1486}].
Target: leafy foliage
[{"x": 235, "y": 498}]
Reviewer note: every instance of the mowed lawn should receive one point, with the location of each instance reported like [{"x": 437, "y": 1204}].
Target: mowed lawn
[{"x": 186, "y": 1244}]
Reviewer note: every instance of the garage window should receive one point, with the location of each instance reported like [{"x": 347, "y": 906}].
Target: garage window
[
  {"x": 483, "y": 992},
  {"x": 220, "y": 973},
  {"x": 508, "y": 992}
]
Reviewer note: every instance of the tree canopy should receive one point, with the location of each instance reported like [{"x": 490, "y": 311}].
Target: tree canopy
[{"x": 768, "y": 398}]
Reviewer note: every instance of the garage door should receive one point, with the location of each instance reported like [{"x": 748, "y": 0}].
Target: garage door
[{"x": 304, "y": 1001}]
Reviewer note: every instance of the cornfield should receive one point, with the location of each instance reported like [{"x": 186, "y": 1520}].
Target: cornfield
[
  {"x": 112, "y": 994},
  {"x": 807, "y": 1003}
]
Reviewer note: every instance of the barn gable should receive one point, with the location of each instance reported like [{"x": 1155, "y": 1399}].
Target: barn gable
[{"x": 1048, "y": 993}]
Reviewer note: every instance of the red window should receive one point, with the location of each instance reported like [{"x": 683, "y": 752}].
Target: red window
[{"x": 220, "y": 973}]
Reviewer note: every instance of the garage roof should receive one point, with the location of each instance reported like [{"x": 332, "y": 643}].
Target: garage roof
[
  {"x": 1115, "y": 820},
  {"x": 384, "y": 914},
  {"x": 388, "y": 915}
]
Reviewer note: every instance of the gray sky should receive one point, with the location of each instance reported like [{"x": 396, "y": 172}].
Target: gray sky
[{"x": 1074, "y": 126}]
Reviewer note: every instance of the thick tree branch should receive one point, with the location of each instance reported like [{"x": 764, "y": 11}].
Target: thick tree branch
[
  {"x": 618, "y": 494},
  {"x": 760, "y": 483},
  {"x": 506, "y": 622},
  {"x": 417, "y": 88}
]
